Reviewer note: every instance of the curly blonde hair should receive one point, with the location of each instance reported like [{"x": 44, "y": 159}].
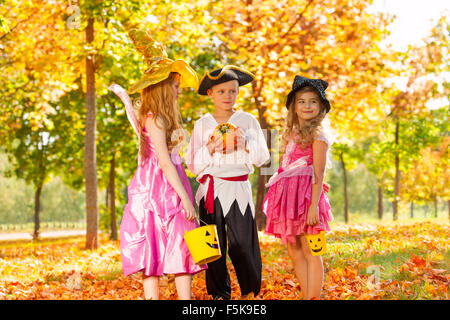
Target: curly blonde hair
[
  {"x": 160, "y": 100},
  {"x": 305, "y": 134}
]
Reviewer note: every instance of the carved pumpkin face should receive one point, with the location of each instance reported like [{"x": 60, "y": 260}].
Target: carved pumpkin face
[
  {"x": 210, "y": 240},
  {"x": 208, "y": 246},
  {"x": 202, "y": 244},
  {"x": 317, "y": 243}
]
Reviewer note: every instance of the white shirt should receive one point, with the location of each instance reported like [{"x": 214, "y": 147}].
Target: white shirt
[{"x": 236, "y": 163}]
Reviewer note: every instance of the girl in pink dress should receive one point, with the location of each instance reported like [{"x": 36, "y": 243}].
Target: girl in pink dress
[
  {"x": 160, "y": 200},
  {"x": 295, "y": 203}
]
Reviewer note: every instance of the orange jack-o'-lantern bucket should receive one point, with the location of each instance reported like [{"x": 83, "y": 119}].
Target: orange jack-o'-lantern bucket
[
  {"x": 317, "y": 243},
  {"x": 203, "y": 244}
]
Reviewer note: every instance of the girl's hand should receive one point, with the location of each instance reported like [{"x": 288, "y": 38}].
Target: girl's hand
[
  {"x": 189, "y": 209},
  {"x": 313, "y": 215}
]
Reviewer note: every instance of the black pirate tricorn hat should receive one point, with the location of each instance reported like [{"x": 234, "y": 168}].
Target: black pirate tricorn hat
[
  {"x": 318, "y": 84},
  {"x": 227, "y": 73}
]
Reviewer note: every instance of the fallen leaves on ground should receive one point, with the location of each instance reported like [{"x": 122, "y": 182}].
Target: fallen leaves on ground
[{"x": 407, "y": 260}]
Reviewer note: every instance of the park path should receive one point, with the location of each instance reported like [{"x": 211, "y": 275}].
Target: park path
[{"x": 17, "y": 236}]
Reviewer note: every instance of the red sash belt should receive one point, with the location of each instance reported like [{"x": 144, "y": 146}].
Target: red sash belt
[{"x": 209, "y": 200}]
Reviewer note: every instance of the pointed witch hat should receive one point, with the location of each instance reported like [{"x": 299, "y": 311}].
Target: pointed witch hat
[{"x": 159, "y": 65}]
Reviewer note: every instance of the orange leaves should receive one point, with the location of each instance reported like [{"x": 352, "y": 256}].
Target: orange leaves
[
  {"x": 346, "y": 283},
  {"x": 418, "y": 261},
  {"x": 413, "y": 266},
  {"x": 279, "y": 285},
  {"x": 364, "y": 261},
  {"x": 434, "y": 282},
  {"x": 350, "y": 273}
]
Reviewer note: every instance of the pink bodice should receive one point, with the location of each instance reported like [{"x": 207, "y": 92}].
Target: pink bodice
[{"x": 293, "y": 152}]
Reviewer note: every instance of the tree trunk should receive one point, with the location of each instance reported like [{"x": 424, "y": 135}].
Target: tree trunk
[
  {"x": 412, "y": 210},
  {"x": 112, "y": 197},
  {"x": 107, "y": 198},
  {"x": 435, "y": 207},
  {"x": 345, "y": 188},
  {"x": 37, "y": 210},
  {"x": 260, "y": 217},
  {"x": 380, "y": 203},
  {"x": 397, "y": 172},
  {"x": 90, "y": 172},
  {"x": 448, "y": 208},
  {"x": 39, "y": 183}
]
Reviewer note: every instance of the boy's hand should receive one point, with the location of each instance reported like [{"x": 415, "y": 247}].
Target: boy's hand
[
  {"x": 241, "y": 143},
  {"x": 215, "y": 145},
  {"x": 238, "y": 137}
]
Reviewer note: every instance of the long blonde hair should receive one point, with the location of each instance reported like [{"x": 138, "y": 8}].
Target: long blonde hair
[
  {"x": 306, "y": 133},
  {"x": 160, "y": 100}
]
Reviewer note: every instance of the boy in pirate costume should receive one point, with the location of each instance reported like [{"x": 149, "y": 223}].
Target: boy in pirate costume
[{"x": 224, "y": 195}]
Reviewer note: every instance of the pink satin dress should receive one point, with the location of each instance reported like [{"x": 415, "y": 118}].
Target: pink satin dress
[
  {"x": 153, "y": 224},
  {"x": 289, "y": 197}
]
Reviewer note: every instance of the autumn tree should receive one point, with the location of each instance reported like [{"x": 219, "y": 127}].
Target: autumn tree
[
  {"x": 337, "y": 41},
  {"x": 96, "y": 17},
  {"x": 88, "y": 49},
  {"x": 33, "y": 78},
  {"x": 425, "y": 180},
  {"x": 422, "y": 67},
  {"x": 118, "y": 62}
]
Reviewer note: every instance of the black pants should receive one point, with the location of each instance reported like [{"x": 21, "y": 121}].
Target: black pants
[{"x": 243, "y": 249}]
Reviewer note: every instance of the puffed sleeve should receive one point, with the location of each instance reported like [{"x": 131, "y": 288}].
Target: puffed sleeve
[
  {"x": 122, "y": 94},
  {"x": 323, "y": 137},
  {"x": 198, "y": 157},
  {"x": 326, "y": 133},
  {"x": 256, "y": 143},
  {"x": 326, "y": 136}
]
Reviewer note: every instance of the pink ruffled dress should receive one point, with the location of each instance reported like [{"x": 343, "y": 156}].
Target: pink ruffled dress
[
  {"x": 289, "y": 196},
  {"x": 153, "y": 224}
]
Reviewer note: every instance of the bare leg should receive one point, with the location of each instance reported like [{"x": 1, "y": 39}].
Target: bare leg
[
  {"x": 300, "y": 266},
  {"x": 315, "y": 271},
  {"x": 151, "y": 287},
  {"x": 183, "y": 283}
]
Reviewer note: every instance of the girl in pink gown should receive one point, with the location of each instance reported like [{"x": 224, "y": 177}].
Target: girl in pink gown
[
  {"x": 295, "y": 203},
  {"x": 153, "y": 224},
  {"x": 160, "y": 206}
]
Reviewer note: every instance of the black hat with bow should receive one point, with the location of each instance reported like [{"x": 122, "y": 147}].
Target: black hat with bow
[{"x": 318, "y": 84}]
